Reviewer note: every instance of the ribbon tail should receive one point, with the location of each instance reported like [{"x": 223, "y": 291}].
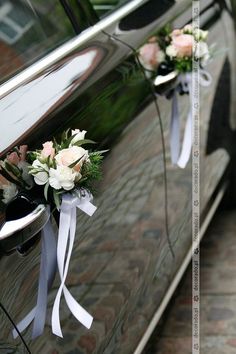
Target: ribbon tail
[
  {"x": 66, "y": 237},
  {"x": 23, "y": 324},
  {"x": 187, "y": 142},
  {"x": 205, "y": 78},
  {"x": 46, "y": 277},
  {"x": 48, "y": 263},
  {"x": 76, "y": 309},
  {"x": 174, "y": 131},
  {"x": 63, "y": 235}
]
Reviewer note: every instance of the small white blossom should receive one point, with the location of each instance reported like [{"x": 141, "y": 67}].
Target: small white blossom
[
  {"x": 160, "y": 56},
  {"x": 79, "y": 136},
  {"x": 171, "y": 51},
  {"x": 200, "y": 35},
  {"x": 62, "y": 177},
  {"x": 202, "y": 51},
  {"x": 40, "y": 177}
]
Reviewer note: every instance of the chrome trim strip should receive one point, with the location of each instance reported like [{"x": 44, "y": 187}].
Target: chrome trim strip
[
  {"x": 14, "y": 226},
  {"x": 67, "y": 48},
  {"x": 179, "y": 274}
]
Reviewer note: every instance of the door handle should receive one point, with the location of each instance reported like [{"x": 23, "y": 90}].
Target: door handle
[
  {"x": 162, "y": 82},
  {"x": 15, "y": 233},
  {"x": 165, "y": 79}
]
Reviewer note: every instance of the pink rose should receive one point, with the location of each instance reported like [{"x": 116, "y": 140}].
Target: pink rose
[
  {"x": 150, "y": 55},
  {"x": 183, "y": 45},
  {"x": 48, "y": 150},
  {"x": 23, "y": 150},
  {"x": 15, "y": 158},
  {"x": 176, "y": 32}
]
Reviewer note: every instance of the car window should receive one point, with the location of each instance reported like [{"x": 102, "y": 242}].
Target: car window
[
  {"x": 29, "y": 30},
  {"x": 103, "y": 7}
]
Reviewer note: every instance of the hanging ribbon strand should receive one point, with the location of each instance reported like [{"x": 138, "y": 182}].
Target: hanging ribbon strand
[
  {"x": 52, "y": 256},
  {"x": 48, "y": 265},
  {"x": 66, "y": 236},
  {"x": 178, "y": 157}
]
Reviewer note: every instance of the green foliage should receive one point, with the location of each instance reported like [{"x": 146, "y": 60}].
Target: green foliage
[{"x": 91, "y": 171}]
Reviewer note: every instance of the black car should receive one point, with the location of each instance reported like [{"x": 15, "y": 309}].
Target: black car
[{"x": 74, "y": 64}]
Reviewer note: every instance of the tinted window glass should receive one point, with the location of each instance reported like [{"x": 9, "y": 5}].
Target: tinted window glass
[
  {"x": 102, "y": 7},
  {"x": 29, "y": 30}
]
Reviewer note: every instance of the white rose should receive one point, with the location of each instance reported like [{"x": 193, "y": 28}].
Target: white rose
[
  {"x": 79, "y": 136},
  {"x": 40, "y": 177},
  {"x": 9, "y": 192},
  {"x": 67, "y": 157},
  {"x": 202, "y": 51},
  {"x": 171, "y": 51},
  {"x": 62, "y": 177}
]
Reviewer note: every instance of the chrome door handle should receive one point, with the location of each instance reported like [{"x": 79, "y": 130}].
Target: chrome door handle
[
  {"x": 14, "y": 233},
  {"x": 162, "y": 80}
]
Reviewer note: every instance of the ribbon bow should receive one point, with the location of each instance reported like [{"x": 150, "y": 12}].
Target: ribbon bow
[
  {"x": 67, "y": 227},
  {"x": 52, "y": 255}
]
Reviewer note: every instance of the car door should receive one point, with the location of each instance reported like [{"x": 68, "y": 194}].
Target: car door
[
  {"x": 217, "y": 122},
  {"x": 91, "y": 82},
  {"x": 122, "y": 263}
]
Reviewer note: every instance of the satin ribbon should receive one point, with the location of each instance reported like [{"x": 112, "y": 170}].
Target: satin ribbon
[
  {"x": 178, "y": 157},
  {"x": 48, "y": 264},
  {"x": 66, "y": 236},
  {"x": 51, "y": 256}
]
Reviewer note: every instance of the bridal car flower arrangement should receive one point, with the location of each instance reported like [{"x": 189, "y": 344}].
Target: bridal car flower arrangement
[
  {"x": 173, "y": 53},
  {"x": 61, "y": 174}
]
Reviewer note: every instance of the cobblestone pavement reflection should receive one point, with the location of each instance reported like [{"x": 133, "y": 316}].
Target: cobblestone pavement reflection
[{"x": 218, "y": 298}]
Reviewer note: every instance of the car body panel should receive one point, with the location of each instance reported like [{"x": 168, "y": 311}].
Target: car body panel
[{"x": 121, "y": 265}]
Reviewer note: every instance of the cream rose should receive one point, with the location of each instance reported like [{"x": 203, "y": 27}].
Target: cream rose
[
  {"x": 62, "y": 177},
  {"x": 67, "y": 157},
  {"x": 183, "y": 45},
  {"x": 79, "y": 135}
]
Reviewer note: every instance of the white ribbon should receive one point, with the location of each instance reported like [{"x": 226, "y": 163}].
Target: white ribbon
[
  {"x": 66, "y": 236},
  {"x": 181, "y": 158},
  {"x": 46, "y": 276}
]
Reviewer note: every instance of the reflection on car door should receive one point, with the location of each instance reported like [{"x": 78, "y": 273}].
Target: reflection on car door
[
  {"x": 116, "y": 251},
  {"x": 122, "y": 264}
]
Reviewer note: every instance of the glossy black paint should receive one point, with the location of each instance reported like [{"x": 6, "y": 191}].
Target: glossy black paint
[{"x": 122, "y": 263}]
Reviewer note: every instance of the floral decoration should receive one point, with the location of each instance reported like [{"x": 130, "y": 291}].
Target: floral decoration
[
  {"x": 59, "y": 167},
  {"x": 175, "y": 49}
]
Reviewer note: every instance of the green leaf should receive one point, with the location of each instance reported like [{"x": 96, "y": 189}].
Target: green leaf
[
  {"x": 46, "y": 191},
  {"x": 84, "y": 141},
  {"x": 68, "y": 141},
  {"x": 75, "y": 163},
  {"x": 13, "y": 169},
  {"x": 5, "y": 174},
  {"x": 98, "y": 152},
  {"x": 56, "y": 199}
]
